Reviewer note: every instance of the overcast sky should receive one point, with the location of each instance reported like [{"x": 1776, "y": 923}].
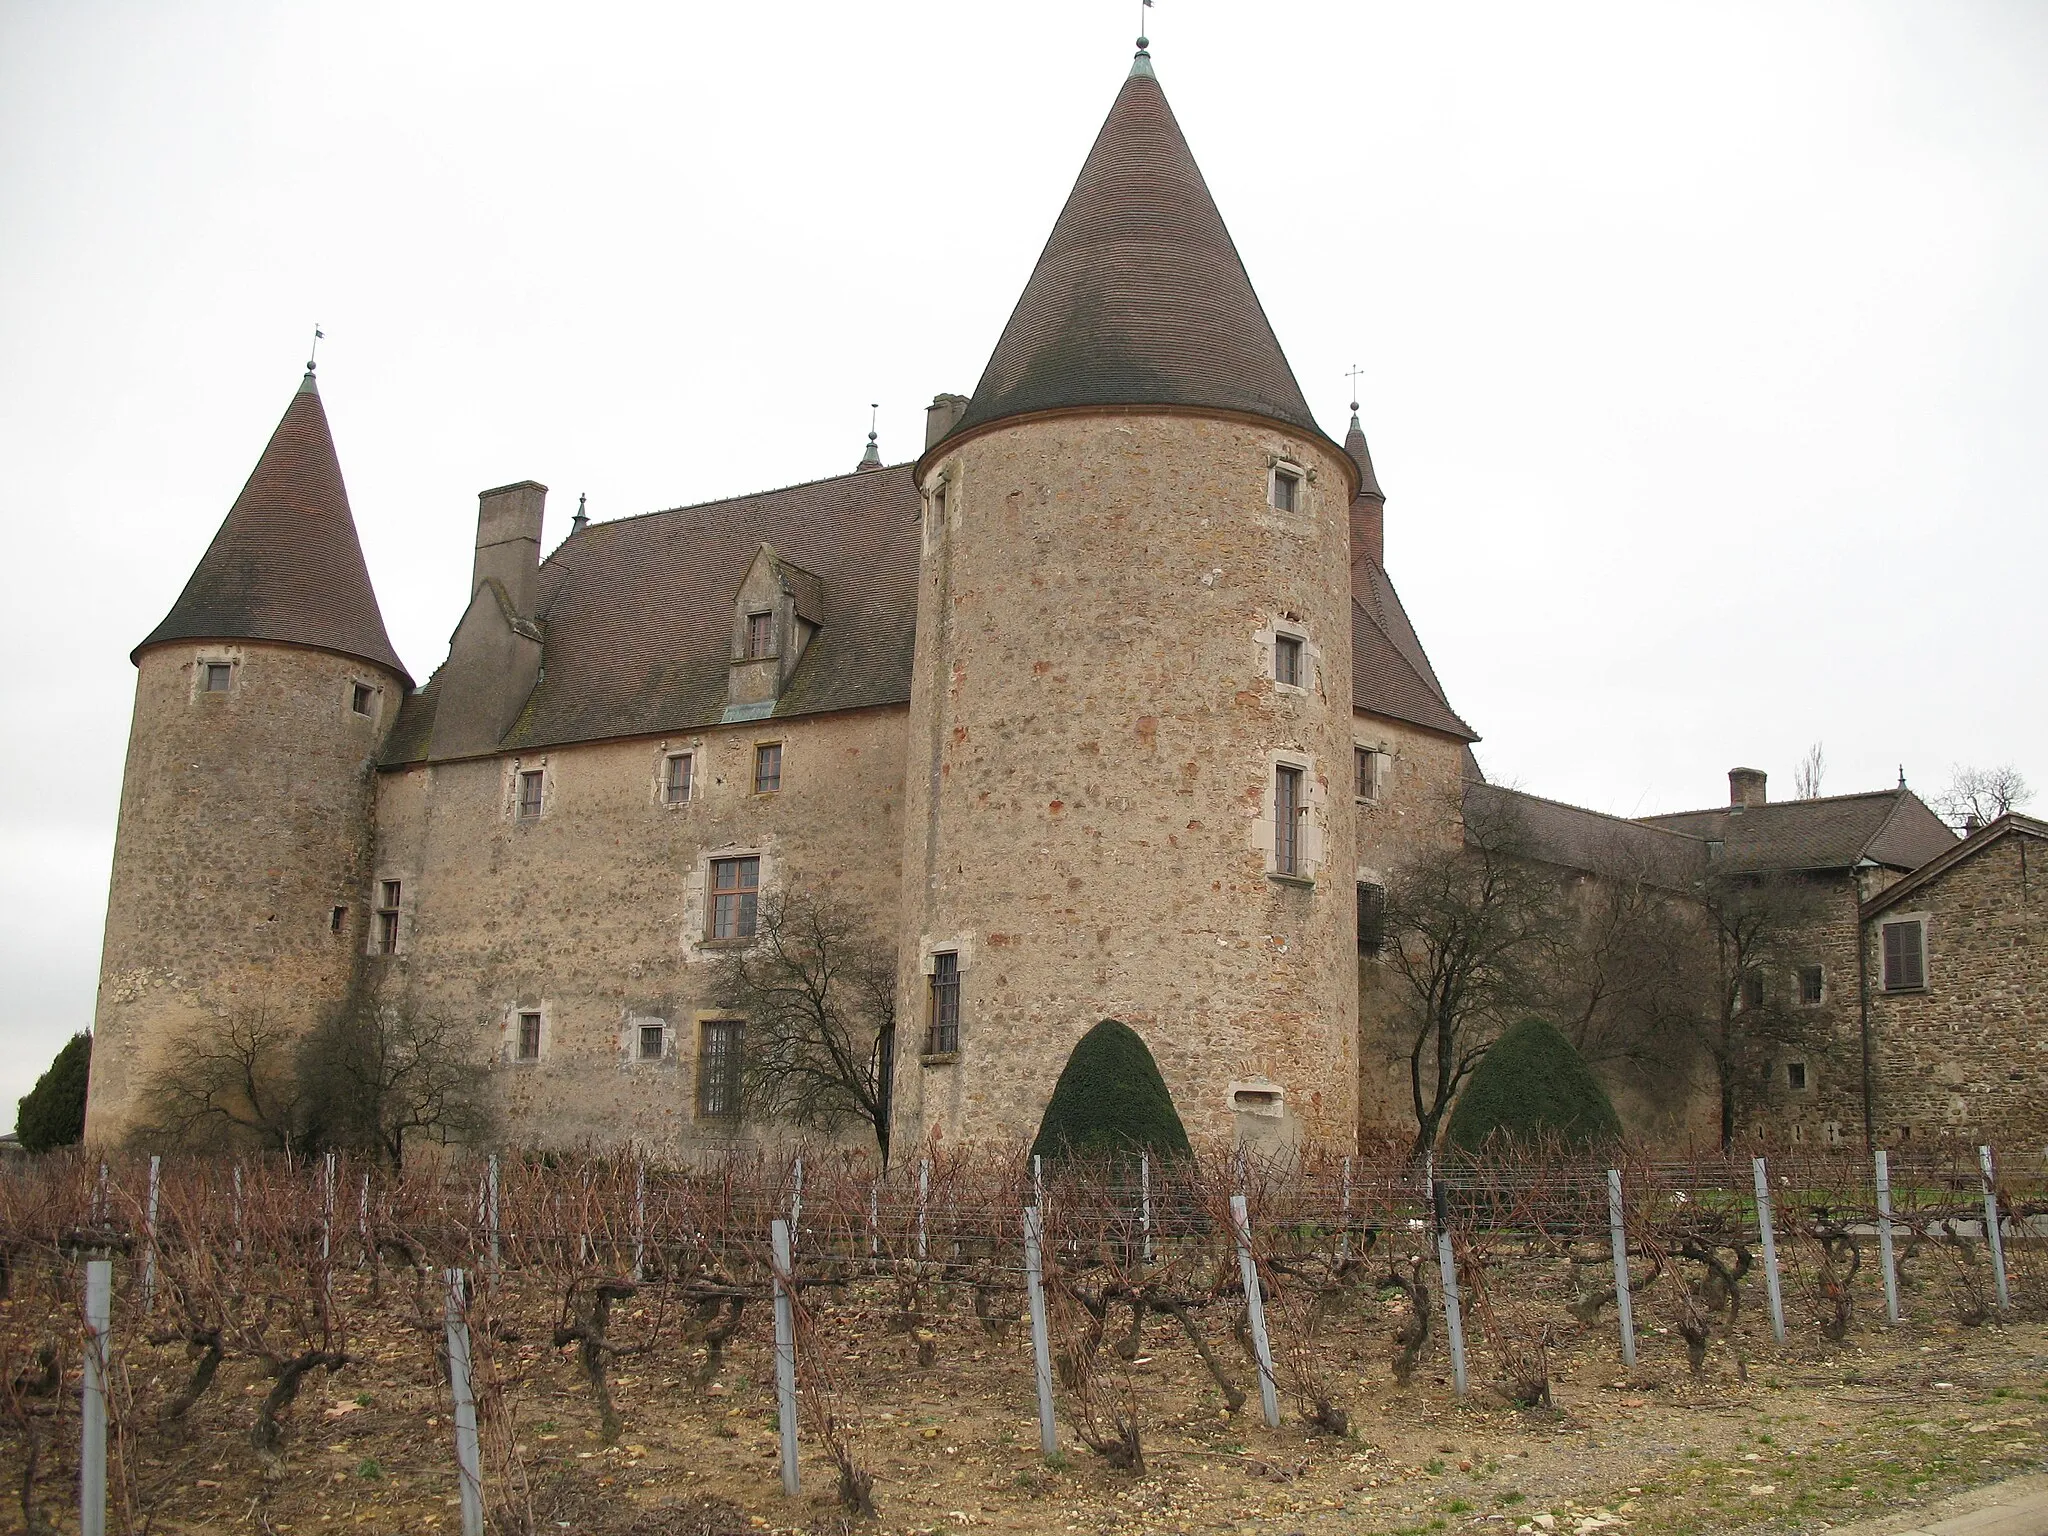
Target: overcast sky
[{"x": 1705, "y": 348}]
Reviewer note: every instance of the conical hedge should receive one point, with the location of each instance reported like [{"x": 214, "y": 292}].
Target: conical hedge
[
  {"x": 1110, "y": 1099},
  {"x": 1532, "y": 1083},
  {"x": 52, "y": 1114}
]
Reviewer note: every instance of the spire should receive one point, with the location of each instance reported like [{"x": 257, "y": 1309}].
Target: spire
[
  {"x": 872, "y": 459},
  {"x": 581, "y": 520},
  {"x": 1369, "y": 506},
  {"x": 286, "y": 564},
  {"x": 1139, "y": 297}
]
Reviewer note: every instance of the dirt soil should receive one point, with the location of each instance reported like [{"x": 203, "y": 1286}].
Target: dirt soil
[{"x": 1816, "y": 1435}]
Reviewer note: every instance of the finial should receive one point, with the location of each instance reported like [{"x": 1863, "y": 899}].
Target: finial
[
  {"x": 582, "y": 518},
  {"x": 1352, "y": 375},
  {"x": 872, "y": 459},
  {"x": 1141, "y": 64},
  {"x": 313, "y": 352},
  {"x": 1902, "y": 775}
]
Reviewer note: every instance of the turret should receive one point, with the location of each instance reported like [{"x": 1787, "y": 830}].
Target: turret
[
  {"x": 241, "y": 854},
  {"x": 1130, "y": 728},
  {"x": 1369, "y": 504}
]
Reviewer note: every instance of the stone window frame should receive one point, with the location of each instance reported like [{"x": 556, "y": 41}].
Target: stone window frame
[
  {"x": 703, "y": 1026},
  {"x": 202, "y": 674},
  {"x": 512, "y": 1043},
  {"x": 697, "y": 945},
  {"x": 1379, "y": 757},
  {"x": 941, "y": 511},
  {"x": 1285, "y": 467},
  {"x": 363, "y": 690},
  {"x": 711, "y": 936},
  {"x": 388, "y": 923},
  {"x": 516, "y": 772},
  {"x": 1267, "y": 638},
  {"x": 633, "y": 1040},
  {"x": 1920, "y": 920},
  {"x": 1310, "y": 850},
  {"x": 1799, "y": 1076},
  {"x": 669, "y": 755}
]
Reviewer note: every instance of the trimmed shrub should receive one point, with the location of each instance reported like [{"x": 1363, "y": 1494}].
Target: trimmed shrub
[
  {"x": 52, "y": 1114},
  {"x": 1110, "y": 1099},
  {"x": 1532, "y": 1083}
]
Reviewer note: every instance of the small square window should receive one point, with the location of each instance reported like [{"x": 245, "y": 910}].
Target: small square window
[
  {"x": 529, "y": 1037},
  {"x": 735, "y": 897},
  {"x": 530, "y": 789},
  {"x": 1288, "y": 811},
  {"x": 1366, "y": 763},
  {"x": 653, "y": 1041},
  {"x": 1286, "y": 490},
  {"x": 945, "y": 1004},
  {"x": 218, "y": 675},
  {"x": 1795, "y": 1076},
  {"x": 359, "y": 697},
  {"x": 768, "y": 768},
  {"x": 1287, "y": 660},
  {"x": 1812, "y": 984},
  {"x": 760, "y": 635},
  {"x": 676, "y": 771}
]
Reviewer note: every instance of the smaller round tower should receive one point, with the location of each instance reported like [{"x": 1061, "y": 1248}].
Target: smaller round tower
[{"x": 238, "y": 895}]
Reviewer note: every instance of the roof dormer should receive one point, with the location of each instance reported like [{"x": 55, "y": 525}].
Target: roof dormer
[{"x": 777, "y": 611}]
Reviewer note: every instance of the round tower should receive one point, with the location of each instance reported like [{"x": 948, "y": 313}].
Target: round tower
[
  {"x": 238, "y": 897},
  {"x": 1130, "y": 769}
]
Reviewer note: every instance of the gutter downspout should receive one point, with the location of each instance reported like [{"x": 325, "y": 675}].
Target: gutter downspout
[{"x": 1863, "y": 1006}]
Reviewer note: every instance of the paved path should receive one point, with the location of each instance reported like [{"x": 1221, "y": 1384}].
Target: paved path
[{"x": 2018, "y": 1507}]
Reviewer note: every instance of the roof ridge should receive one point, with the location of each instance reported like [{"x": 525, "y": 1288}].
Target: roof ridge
[
  {"x": 1587, "y": 810},
  {"x": 1777, "y": 805},
  {"x": 720, "y": 501}
]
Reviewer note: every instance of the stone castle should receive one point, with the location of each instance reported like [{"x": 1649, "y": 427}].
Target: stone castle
[{"x": 1103, "y": 707}]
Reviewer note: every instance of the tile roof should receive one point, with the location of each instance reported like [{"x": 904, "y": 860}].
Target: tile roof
[
  {"x": 1390, "y": 674},
  {"x": 1890, "y": 826},
  {"x": 2011, "y": 824},
  {"x": 286, "y": 564},
  {"x": 638, "y": 613},
  {"x": 1354, "y": 444},
  {"x": 1575, "y": 838},
  {"x": 1139, "y": 297}
]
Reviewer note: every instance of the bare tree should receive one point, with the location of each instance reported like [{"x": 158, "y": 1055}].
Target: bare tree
[
  {"x": 1755, "y": 922},
  {"x": 227, "y": 1082},
  {"x": 818, "y": 992},
  {"x": 1976, "y": 797},
  {"x": 1468, "y": 930},
  {"x": 384, "y": 1075},
  {"x": 1806, "y": 779}
]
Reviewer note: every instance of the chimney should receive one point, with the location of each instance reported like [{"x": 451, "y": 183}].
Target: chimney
[
  {"x": 508, "y": 542},
  {"x": 941, "y": 416},
  {"x": 1746, "y": 787}
]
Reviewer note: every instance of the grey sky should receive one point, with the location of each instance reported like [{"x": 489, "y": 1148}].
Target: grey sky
[{"x": 1705, "y": 348}]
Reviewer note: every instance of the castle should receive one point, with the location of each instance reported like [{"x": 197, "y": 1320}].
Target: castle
[{"x": 1103, "y": 707}]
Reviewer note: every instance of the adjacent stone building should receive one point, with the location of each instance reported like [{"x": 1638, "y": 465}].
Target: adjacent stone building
[{"x": 1103, "y": 707}]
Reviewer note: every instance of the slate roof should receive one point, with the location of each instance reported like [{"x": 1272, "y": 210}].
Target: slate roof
[
  {"x": 2011, "y": 824},
  {"x": 1893, "y": 827},
  {"x": 1139, "y": 297},
  {"x": 638, "y": 613},
  {"x": 1390, "y": 674},
  {"x": 1572, "y": 837},
  {"x": 286, "y": 564}
]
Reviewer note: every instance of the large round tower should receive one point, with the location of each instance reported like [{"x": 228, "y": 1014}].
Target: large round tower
[
  {"x": 238, "y": 893},
  {"x": 1130, "y": 769}
]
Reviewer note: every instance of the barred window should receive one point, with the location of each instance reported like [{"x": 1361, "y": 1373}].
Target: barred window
[
  {"x": 718, "y": 1069},
  {"x": 1372, "y": 918},
  {"x": 945, "y": 1004},
  {"x": 735, "y": 897},
  {"x": 768, "y": 768},
  {"x": 653, "y": 1040},
  {"x": 676, "y": 771},
  {"x": 1905, "y": 955},
  {"x": 1287, "y": 816}
]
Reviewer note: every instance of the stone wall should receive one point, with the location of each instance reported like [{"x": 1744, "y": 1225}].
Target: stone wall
[
  {"x": 1967, "y": 1058},
  {"x": 244, "y": 826},
  {"x": 1095, "y": 730},
  {"x": 595, "y": 914}
]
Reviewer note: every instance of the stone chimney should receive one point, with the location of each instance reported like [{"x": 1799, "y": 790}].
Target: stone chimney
[
  {"x": 508, "y": 543},
  {"x": 941, "y": 416},
  {"x": 1746, "y": 787}
]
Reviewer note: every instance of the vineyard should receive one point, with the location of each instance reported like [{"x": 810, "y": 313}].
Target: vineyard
[{"x": 279, "y": 1337}]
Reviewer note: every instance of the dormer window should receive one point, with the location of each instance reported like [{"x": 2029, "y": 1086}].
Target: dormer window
[
  {"x": 760, "y": 635},
  {"x": 777, "y": 613}
]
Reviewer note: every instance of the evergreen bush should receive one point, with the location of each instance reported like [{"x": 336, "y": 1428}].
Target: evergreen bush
[
  {"x": 1532, "y": 1083},
  {"x": 52, "y": 1114},
  {"x": 1111, "y": 1100}
]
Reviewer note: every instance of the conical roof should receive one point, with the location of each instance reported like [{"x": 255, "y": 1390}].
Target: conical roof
[
  {"x": 1139, "y": 297},
  {"x": 286, "y": 565},
  {"x": 1354, "y": 444}
]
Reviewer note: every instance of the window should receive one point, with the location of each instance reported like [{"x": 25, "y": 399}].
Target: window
[
  {"x": 945, "y": 1010},
  {"x": 1286, "y": 490},
  {"x": 359, "y": 697},
  {"x": 735, "y": 897},
  {"x": 718, "y": 1069},
  {"x": 1287, "y": 816},
  {"x": 1753, "y": 989},
  {"x": 1367, "y": 764},
  {"x": 218, "y": 675},
  {"x": 387, "y": 917},
  {"x": 528, "y": 1044},
  {"x": 529, "y": 794},
  {"x": 760, "y": 635},
  {"x": 336, "y": 918},
  {"x": 1287, "y": 660},
  {"x": 653, "y": 1041},
  {"x": 1812, "y": 984},
  {"x": 768, "y": 768},
  {"x": 1905, "y": 955},
  {"x": 676, "y": 770},
  {"x": 1372, "y": 918},
  {"x": 1795, "y": 1076}
]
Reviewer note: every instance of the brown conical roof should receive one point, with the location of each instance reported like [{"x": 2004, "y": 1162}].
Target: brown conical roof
[
  {"x": 1354, "y": 444},
  {"x": 1139, "y": 297},
  {"x": 286, "y": 564}
]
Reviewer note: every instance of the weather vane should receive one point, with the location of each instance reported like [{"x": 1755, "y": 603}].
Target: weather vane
[
  {"x": 1143, "y": 7},
  {"x": 1353, "y": 377},
  {"x": 314, "y": 350}
]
